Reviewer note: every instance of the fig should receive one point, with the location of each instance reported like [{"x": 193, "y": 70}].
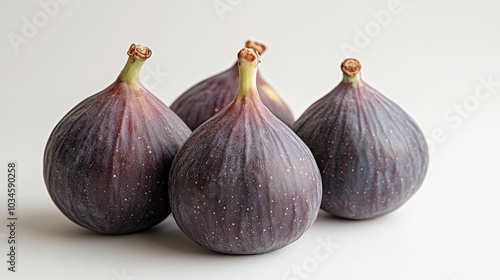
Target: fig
[
  {"x": 206, "y": 98},
  {"x": 243, "y": 182},
  {"x": 371, "y": 154},
  {"x": 106, "y": 163}
]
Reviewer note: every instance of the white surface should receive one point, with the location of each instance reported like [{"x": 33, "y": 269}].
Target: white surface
[{"x": 430, "y": 56}]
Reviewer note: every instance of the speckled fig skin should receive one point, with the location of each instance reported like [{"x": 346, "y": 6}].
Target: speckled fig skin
[
  {"x": 206, "y": 98},
  {"x": 371, "y": 154},
  {"x": 107, "y": 161},
  {"x": 243, "y": 182}
]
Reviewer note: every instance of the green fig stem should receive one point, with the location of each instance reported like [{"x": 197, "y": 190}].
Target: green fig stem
[
  {"x": 351, "y": 68},
  {"x": 131, "y": 72},
  {"x": 248, "y": 62}
]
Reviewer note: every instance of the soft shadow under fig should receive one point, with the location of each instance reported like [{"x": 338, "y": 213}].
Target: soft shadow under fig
[
  {"x": 325, "y": 217},
  {"x": 163, "y": 238},
  {"x": 169, "y": 237}
]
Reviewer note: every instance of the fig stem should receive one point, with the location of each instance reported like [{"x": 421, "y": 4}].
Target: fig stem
[
  {"x": 260, "y": 48},
  {"x": 248, "y": 61},
  {"x": 137, "y": 56},
  {"x": 351, "y": 68}
]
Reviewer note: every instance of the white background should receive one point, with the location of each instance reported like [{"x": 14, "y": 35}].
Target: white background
[{"x": 430, "y": 57}]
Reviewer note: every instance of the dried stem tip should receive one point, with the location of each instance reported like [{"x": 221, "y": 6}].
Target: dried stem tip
[
  {"x": 260, "y": 48},
  {"x": 249, "y": 55},
  {"x": 350, "y": 67},
  {"x": 138, "y": 52}
]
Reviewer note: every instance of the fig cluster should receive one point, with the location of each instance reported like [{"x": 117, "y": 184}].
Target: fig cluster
[{"x": 227, "y": 159}]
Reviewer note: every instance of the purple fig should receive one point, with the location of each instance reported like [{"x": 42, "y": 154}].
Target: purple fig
[
  {"x": 107, "y": 161},
  {"x": 243, "y": 182},
  {"x": 206, "y": 98},
  {"x": 371, "y": 154}
]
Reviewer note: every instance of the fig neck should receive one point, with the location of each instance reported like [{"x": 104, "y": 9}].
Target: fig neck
[
  {"x": 235, "y": 68},
  {"x": 355, "y": 80},
  {"x": 248, "y": 61},
  {"x": 351, "y": 69},
  {"x": 131, "y": 72}
]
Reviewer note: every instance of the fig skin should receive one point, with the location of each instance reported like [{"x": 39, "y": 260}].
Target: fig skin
[
  {"x": 205, "y": 99},
  {"x": 371, "y": 154},
  {"x": 106, "y": 162},
  {"x": 243, "y": 182}
]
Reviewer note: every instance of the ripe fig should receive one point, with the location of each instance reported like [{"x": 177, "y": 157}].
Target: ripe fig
[
  {"x": 107, "y": 161},
  {"x": 243, "y": 182},
  {"x": 206, "y": 98},
  {"x": 371, "y": 154}
]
